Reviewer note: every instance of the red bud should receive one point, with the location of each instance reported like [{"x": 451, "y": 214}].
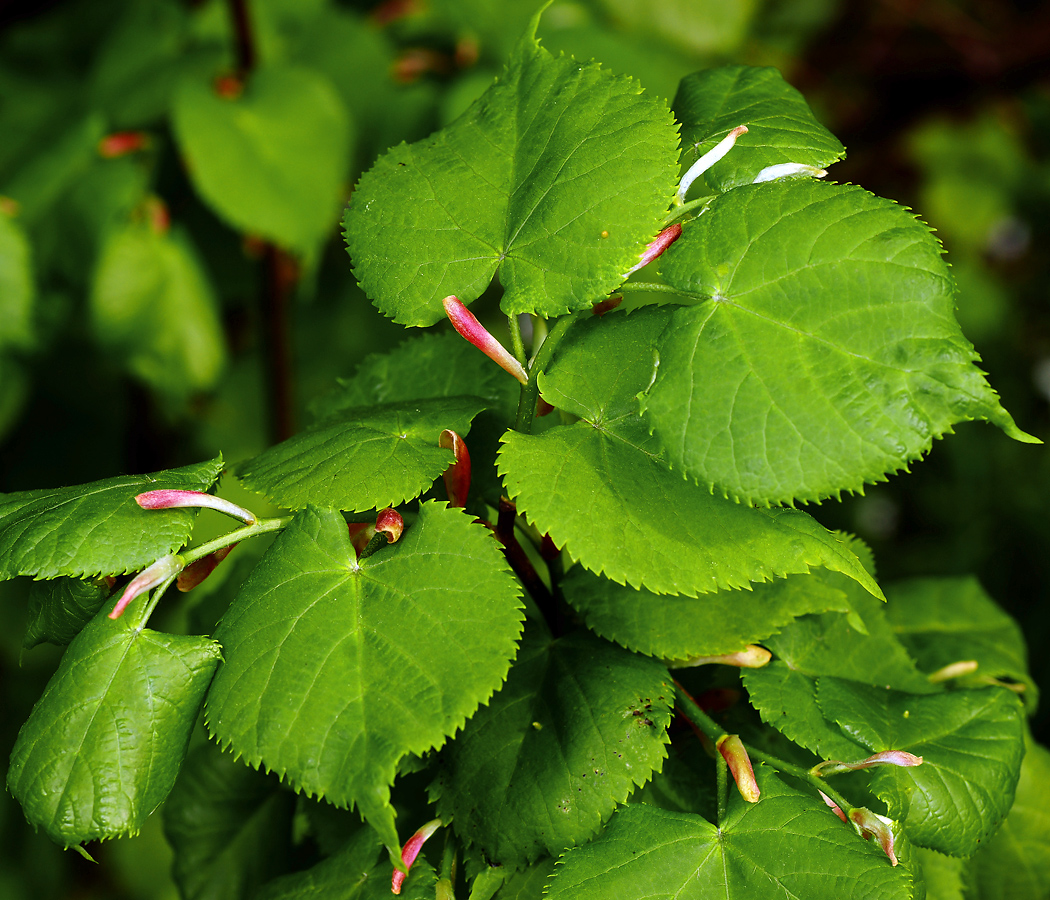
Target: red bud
[
  {"x": 411, "y": 850},
  {"x": 121, "y": 143},
  {"x": 456, "y": 476},
  {"x": 464, "y": 321},
  {"x": 735, "y": 754}
]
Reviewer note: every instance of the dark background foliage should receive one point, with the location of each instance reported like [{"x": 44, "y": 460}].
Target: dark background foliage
[{"x": 944, "y": 106}]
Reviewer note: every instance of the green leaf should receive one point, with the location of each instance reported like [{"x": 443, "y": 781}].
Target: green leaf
[
  {"x": 579, "y": 723},
  {"x": 948, "y": 620},
  {"x": 102, "y": 529},
  {"x": 617, "y": 509},
  {"x": 17, "y": 288},
  {"x": 229, "y": 826},
  {"x": 352, "y": 874},
  {"x": 527, "y": 883},
  {"x": 60, "y": 608},
  {"x": 1015, "y": 863},
  {"x": 781, "y": 126},
  {"x": 971, "y": 742},
  {"x": 427, "y": 366},
  {"x": 822, "y": 351},
  {"x": 557, "y": 177},
  {"x": 52, "y": 171},
  {"x": 787, "y": 699},
  {"x": 335, "y": 669},
  {"x": 103, "y": 745},
  {"x": 272, "y": 161},
  {"x": 600, "y": 490},
  {"x": 699, "y": 27},
  {"x": 362, "y": 458},
  {"x": 153, "y": 308},
  {"x": 676, "y": 628},
  {"x": 787, "y": 845}
]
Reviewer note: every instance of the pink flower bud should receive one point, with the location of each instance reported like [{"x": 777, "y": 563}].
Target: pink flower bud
[
  {"x": 171, "y": 499},
  {"x": 200, "y": 569},
  {"x": 456, "y": 476},
  {"x": 735, "y": 754},
  {"x": 464, "y": 321},
  {"x": 751, "y": 657},
  {"x": 121, "y": 143},
  {"x": 885, "y": 758},
  {"x": 835, "y": 808},
  {"x": 872, "y": 825},
  {"x": 663, "y": 240},
  {"x": 411, "y": 850},
  {"x": 707, "y": 160},
  {"x": 390, "y": 523},
  {"x": 164, "y": 568}
]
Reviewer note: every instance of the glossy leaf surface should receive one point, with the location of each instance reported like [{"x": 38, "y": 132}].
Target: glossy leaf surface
[
  {"x": 103, "y": 745},
  {"x": 102, "y": 529},
  {"x": 362, "y": 458},
  {"x": 943, "y": 621},
  {"x": 822, "y": 352},
  {"x": 557, "y": 177},
  {"x": 781, "y": 128},
  {"x": 335, "y": 669},
  {"x": 971, "y": 743},
  {"x": 578, "y": 724},
  {"x": 788, "y": 845},
  {"x": 601, "y": 491},
  {"x": 675, "y": 627}
]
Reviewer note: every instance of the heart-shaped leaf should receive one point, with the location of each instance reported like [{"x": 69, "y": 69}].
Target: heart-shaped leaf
[
  {"x": 822, "y": 352},
  {"x": 335, "y": 669},
  {"x": 272, "y": 161},
  {"x": 557, "y": 177}
]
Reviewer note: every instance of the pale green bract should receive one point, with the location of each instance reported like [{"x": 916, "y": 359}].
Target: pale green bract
[
  {"x": 334, "y": 670},
  {"x": 557, "y": 177},
  {"x": 822, "y": 352},
  {"x": 103, "y": 745}
]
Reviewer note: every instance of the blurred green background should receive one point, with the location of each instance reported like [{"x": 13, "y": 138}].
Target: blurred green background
[{"x": 157, "y": 308}]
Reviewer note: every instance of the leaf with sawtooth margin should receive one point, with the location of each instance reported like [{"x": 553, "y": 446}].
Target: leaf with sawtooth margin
[
  {"x": 578, "y": 725},
  {"x": 781, "y": 126},
  {"x": 971, "y": 742},
  {"x": 362, "y": 458},
  {"x": 599, "y": 488},
  {"x": 822, "y": 352},
  {"x": 948, "y": 620},
  {"x": 103, "y": 745},
  {"x": 335, "y": 669},
  {"x": 96, "y": 528},
  {"x": 786, "y": 846},
  {"x": 229, "y": 826},
  {"x": 557, "y": 177},
  {"x": 674, "y": 627}
]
